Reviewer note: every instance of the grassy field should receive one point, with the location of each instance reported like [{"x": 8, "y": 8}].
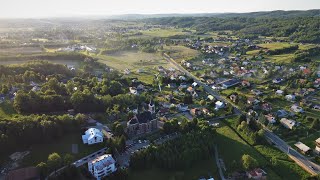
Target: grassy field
[
  {"x": 285, "y": 167},
  {"x": 134, "y": 61},
  {"x": 273, "y": 46},
  {"x": 179, "y": 53},
  {"x": 163, "y": 32},
  {"x": 233, "y": 147},
  {"x": 40, "y": 152},
  {"x": 201, "y": 169},
  {"x": 282, "y": 58}
]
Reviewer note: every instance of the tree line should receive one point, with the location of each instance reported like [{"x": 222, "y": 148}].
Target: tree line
[{"x": 22, "y": 131}]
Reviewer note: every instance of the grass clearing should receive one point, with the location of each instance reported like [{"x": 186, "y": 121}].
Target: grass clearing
[
  {"x": 133, "y": 60},
  {"x": 39, "y": 153},
  {"x": 203, "y": 168}
]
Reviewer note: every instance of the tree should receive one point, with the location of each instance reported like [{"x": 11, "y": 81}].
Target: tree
[
  {"x": 43, "y": 169},
  {"x": 248, "y": 162},
  {"x": 187, "y": 99},
  {"x": 68, "y": 159},
  {"x": 54, "y": 161}
]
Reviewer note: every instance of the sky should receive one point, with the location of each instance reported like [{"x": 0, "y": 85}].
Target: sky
[{"x": 67, "y": 8}]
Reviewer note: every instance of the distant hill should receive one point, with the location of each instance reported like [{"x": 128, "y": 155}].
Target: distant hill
[{"x": 269, "y": 14}]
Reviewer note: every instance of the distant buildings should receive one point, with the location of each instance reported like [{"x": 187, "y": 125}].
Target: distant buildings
[
  {"x": 102, "y": 166},
  {"x": 92, "y": 136}
]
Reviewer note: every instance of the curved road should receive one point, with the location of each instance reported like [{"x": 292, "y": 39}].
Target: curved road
[{"x": 300, "y": 159}]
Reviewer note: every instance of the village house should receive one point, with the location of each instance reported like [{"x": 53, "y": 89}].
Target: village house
[
  {"x": 92, "y": 136},
  {"x": 102, "y": 166},
  {"x": 282, "y": 113},
  {"x": 252, "y": 100},
  {"x": 182, "y": 107},
  {"x": 233, "y": 98},
  {"x": 288, "y": 123},
  {"x": 317, "y": 149},
  {"x": 270, "y": 118},
  {"x": 296, "y": 108},
  {"x": 290, "y": 97},
  {"x": 279, "y": 92},
  {"x": 195, "y": 112},
  {"x": 190, "y": 89},
  {"x": 266, "y": 106},
  {"x": 245, "y": 83},
  {"x": 277, "y": 80},
  {"x": 302, "y": 148},
  {"x": 257, "y": 174},
  {"x": 172, "y": 85},
  {"x": 230, "y": 83},
  {"x": 219, "y": 105},
  {"x": 133, "y": 90}
]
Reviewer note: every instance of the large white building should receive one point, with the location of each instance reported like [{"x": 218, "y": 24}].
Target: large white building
[
  {"x": 92, "y": 136},
  {"x": 102, "y": 166}
]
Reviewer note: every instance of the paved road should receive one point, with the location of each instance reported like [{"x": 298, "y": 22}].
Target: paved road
[
  {"x": 218, "y": 163},
  {"x": 300, "y": 159}
]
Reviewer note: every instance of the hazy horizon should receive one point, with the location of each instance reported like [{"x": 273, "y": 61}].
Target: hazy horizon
[{"x": 60, "y": 8}]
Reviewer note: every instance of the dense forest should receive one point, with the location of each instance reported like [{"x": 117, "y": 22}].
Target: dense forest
[{"x": 298, "y": 29}]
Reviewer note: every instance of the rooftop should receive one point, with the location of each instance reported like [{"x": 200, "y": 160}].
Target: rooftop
[{"x": 103, "y": 161}]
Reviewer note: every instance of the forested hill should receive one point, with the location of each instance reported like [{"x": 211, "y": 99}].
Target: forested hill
[
  {"x": 298, "y": 29},
  {"x": 274, "y": 14}
]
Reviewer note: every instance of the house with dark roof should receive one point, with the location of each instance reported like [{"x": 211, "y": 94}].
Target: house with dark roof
[{"x": 142, "y": 123}]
